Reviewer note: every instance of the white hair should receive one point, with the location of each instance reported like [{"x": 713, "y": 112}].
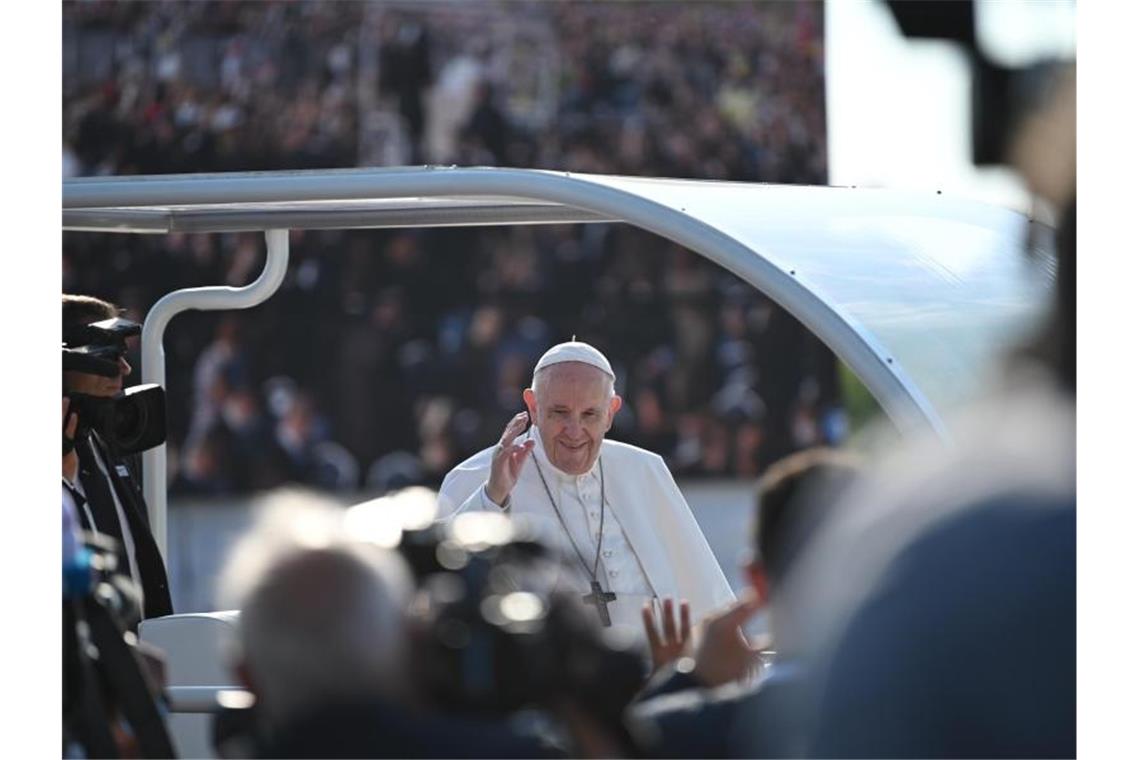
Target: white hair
[
  {"x": 541, "y": 375},
  {"x": 321, "y": 619}
]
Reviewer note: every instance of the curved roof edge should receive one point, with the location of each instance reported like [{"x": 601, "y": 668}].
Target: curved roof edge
[{"x": 633, "y": 203}]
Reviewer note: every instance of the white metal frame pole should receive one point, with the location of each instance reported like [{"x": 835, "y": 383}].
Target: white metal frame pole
[{"x": 154, "y": 355}]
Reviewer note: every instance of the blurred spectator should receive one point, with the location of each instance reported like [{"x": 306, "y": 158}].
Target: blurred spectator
[
  {"x": 320, "y": 627},
  {"x": 298, "y": 432},
  {"x": 202, "y": 470},
  {"x": 487, "y": 128},
  {"x": 950, "y": 629},
  {"x": 220, "y": 369},
  {"x": 944, "y": 600},
  {"x": 692, "y": 708},
  {"x": 399, "y": 340},
  {"x": 405, "y": 71},
  {"x": 325, "y": 646}
]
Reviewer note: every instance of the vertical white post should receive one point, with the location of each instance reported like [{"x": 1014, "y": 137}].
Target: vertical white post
[{"x": 154, "y": 355}]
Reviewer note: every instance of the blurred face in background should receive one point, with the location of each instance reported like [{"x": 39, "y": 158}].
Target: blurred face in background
[{"x": 573, "y": 406}]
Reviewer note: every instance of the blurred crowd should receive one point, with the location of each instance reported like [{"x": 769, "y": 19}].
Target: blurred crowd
[
  {"x": 155, "y": 88},
  {"x": 389, "y": 356}
]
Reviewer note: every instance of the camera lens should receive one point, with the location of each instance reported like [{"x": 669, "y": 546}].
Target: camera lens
[{"x": 129, "y": 423}]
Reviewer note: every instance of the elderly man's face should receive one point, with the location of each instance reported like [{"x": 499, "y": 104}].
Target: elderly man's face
[{"x": 573, "y": 409}]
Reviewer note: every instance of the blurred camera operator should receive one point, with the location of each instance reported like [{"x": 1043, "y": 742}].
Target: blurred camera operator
[{"x": 96, "y": 479}]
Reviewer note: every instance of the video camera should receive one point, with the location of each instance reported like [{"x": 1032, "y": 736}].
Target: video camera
[
  {"x": 497, "y": 635},
  {"x": 134, "y": 419}
]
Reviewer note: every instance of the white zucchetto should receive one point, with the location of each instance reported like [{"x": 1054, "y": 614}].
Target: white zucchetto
[{"x": 575, "y": 351}]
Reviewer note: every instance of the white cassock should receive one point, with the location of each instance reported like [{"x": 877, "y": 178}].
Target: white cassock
[{"x": 651, "y": 544}]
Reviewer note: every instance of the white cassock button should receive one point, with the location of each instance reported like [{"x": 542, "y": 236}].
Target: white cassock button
[
  {"x": 593, "y": 514},
  {"x": 607, "y": 553},
  {"x": 613, "y": 573}
]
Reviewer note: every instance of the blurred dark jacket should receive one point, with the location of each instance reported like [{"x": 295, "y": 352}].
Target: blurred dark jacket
[{"x": 680, "y": 718}]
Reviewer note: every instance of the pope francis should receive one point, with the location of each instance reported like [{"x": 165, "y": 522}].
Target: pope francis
[{"x": 613, "y": 509}]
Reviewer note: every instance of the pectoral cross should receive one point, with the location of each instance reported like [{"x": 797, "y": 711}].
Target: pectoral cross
[{"x": 600, "y": 599}]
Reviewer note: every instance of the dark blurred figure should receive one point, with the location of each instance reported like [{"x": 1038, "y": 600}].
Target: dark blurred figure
[
  {"x": 944, "y": 595},
  {"x": 489, "y": 127},
  {"x": 405, "y": 71},
  {"x": 700, "y": 707}
]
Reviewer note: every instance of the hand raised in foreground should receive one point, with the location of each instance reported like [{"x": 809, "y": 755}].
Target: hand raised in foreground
[
  {"x": 724, "y": 654},
  {"x": 673, "y": 640},
  {"x": 508, "y": 459}
]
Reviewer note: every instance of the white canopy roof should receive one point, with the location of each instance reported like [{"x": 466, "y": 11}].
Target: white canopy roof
[{"x": 916, "y": 292}]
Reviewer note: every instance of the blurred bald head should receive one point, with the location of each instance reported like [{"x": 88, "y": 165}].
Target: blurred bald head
[{"x": 325, "y": 624}]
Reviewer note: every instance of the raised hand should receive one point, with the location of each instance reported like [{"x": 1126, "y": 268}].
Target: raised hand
[
  {"x": 673, "y": 641},
  {"x": 508, "y": 459},
  {"x": 724, "y": 654}
]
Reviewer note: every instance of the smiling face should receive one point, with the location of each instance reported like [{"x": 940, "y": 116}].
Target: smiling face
[{"x": 573, "y": 406}]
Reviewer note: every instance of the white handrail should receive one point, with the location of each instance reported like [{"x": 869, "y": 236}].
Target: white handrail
[{"x": 154, "y": 355}]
